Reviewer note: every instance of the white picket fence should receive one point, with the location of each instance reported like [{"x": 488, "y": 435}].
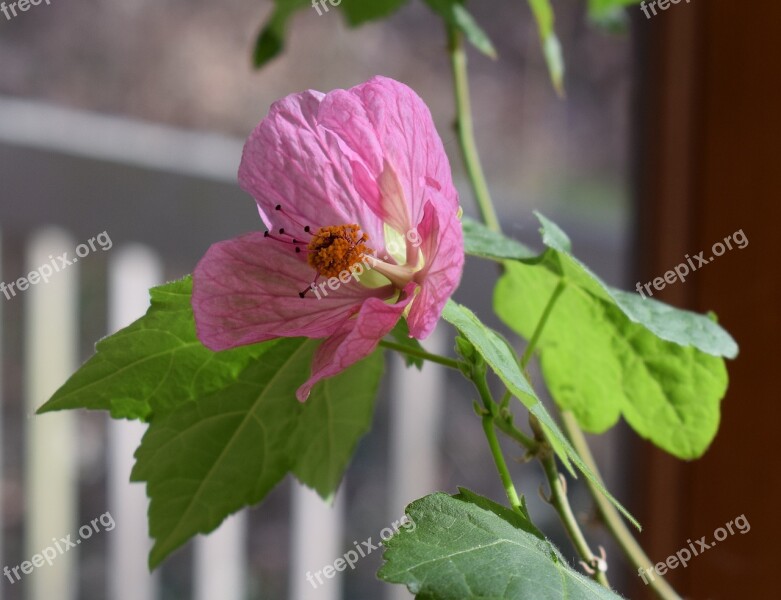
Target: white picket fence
[
  {"x": 51, "y": 441},
  {"x": 220, "y": 559}
]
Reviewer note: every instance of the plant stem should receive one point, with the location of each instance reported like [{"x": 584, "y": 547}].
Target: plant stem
[
  {"x": 560, "y": 503},
  {"x": 493, "y": 442},
  {"x": 612, "y": 519},
  {"x": 529, "y": 352},
  {"x": 511, "y": 431},
  {"x": 435, "y": 358},
  {"x": 465, "y": 128}
]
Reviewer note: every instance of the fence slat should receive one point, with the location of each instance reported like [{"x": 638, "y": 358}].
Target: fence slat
[
  {"x": 3, "y": 300},
  {"x": 220, "y": 561},
  {"x": 51, "y": 356},
  {"x": 415, "y": 416},
  {"x": 132, "y": 271},
  {"x": 317, "y": 528}
]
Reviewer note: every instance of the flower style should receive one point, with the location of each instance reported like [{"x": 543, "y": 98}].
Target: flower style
[{"x": 355, "y": 189}]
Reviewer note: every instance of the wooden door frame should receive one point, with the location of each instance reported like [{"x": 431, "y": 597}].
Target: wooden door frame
[{"x": 707, "y": 165}]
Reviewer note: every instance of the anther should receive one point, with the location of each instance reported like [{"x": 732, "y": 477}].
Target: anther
[
  {"x": 278, "y": 207},
  {"x": 282, "y": 231},
  {"x": 336, "y": 248},
  {"x": 265, "y": 233},
  {"x": 307, "y": 229}
]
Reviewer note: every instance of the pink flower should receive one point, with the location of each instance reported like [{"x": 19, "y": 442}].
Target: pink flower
[{"x": 356, "y": 191}]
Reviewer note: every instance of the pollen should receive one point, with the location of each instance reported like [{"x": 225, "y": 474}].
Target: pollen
[{"x": 336, "y": 248}]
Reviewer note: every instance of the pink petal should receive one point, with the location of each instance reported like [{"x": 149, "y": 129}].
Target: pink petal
[
  {"x": 384, "y": 195},
  {"x": 356, "y": 339},
  {"x": 246, "y": 290},
  {"x": 291, "y": 161},
  {"x": 383, "y": 122},
  {"x": 442, "y": 245}
]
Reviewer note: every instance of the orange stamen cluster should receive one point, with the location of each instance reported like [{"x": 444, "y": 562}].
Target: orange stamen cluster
[{"x": 336, "y": 248}]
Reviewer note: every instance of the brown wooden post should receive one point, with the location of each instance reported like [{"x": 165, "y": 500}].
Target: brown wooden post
[{"x": 710, "y": 165}]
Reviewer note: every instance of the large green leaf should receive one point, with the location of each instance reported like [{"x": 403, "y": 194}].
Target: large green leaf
[
  {"x": 154, "y": 364},
  {"x": 469, "y": 548},
  {"x": 332, "y": 420},
  {"x": 682, "y": 327},
  {"x": 208, "y": 459},
  {"x": 497, "y": 354},
  {"x": 607, "y": 353}
]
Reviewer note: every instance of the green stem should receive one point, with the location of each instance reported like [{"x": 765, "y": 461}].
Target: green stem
[
  {"x": 465, "y": 129},
  {"x": 560, "y": 503},
  {"x": 529, "y": 352},
  {"x": 612, "y": 519},
  {"x": 435, "y": 358},
  {"x": 558, "y": 499},
  {"x": 489, "y": 417},
  {"x": 506, "y": 426}
]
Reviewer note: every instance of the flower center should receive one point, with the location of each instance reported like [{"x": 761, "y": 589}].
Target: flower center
[{"x": 336, "y": 248}]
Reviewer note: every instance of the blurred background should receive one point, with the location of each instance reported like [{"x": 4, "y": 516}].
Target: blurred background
[{"x": 129, "y": 117}]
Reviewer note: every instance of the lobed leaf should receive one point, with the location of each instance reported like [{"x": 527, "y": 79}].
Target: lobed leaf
[
  {"x": 469, "y": 548},
  {"x": 607, "y": 353},
  {"x": 208, "y": 459},
  {"x": 154, "y": 364}
]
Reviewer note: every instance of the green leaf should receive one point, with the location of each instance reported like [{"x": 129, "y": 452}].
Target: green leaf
[
  {"x": 682, "y": 327},
  {"x": 519, "y": 521},
  {"x": 400, "y": 333},
  {"x": 455, "y": 15},
  {"x": 337, "y": 415},
  {"x": 207, "y": 459},
  {"x": 154, "y": 364},
  {"x": 607, "y": 353},
  {"x": 496, "y": 352},
  {"x": 551, "y": 47},
  {"x": 358, "y": 12},
  {"x": 481, "y": 241},
  {"x": 271, "y": 40},
  {"x": 462, "y": 548}
]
